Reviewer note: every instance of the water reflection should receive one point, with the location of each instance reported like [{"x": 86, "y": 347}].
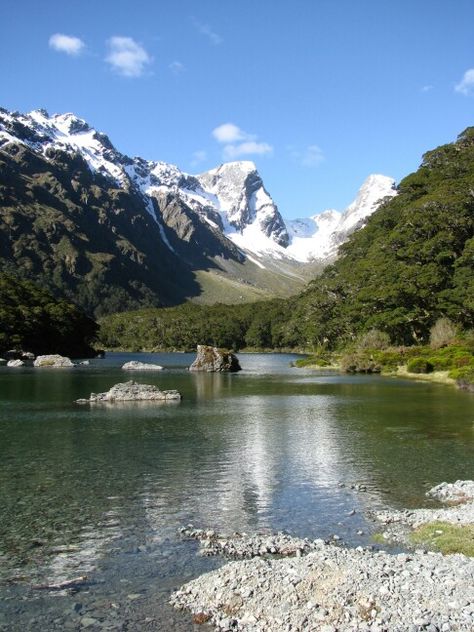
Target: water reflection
[{"x": 102, "y": 490}]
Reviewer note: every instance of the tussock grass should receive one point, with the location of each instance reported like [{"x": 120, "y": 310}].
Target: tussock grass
[{"x": 445, "y": 537}]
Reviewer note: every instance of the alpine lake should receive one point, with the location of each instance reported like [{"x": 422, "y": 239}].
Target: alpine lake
[{"x": 100, "y": 491}]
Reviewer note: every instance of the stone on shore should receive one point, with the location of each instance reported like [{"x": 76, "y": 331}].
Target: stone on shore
[
  {"x": 458, "y": 492},
  {"x": 53, "y": 361},
  {"x": 132, "y": 392},
  {"x": 214, "y": 360},
  {"x": 134, "y": 365}
]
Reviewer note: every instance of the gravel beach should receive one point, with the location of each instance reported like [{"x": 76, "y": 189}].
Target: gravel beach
[{"x": 291, "y": 584}]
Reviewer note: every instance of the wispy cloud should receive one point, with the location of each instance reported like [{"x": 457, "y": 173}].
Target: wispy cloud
[
  {"x": 176, "y": 67},
  {"x": 198, "y": 157},
  {"x": 66, "y": 44},
  {"x": 311, "y": 156},
  {"x": 427, "y": 88},
  {"x": 238, "y": 143},
  {"x": 207, "y": 31},
  {"x": 466, "y": 85},
  {"x": 127, "y": 57},
  {"x": 249, "y": 147}
]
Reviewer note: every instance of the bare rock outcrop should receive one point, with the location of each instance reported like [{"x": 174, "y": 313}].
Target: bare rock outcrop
[
  {"x": 132, "y": 392},
  {"x": 214, "y": 360}
]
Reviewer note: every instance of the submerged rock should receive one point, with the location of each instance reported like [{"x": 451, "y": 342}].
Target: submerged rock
[
  {"x": 54, "y": 360},
  {"x": 134, "y": 365},
  {"x": 212, "y": 359},
  {"x": 132, "y": 392}
]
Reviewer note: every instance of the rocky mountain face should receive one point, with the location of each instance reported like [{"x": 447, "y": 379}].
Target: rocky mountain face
[{"x": 113, "y": 232}]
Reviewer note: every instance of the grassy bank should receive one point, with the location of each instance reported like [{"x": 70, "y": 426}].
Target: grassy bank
[{"x": 450, "y": 364}]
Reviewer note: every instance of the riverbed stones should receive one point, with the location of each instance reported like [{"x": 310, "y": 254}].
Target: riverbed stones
[
  {"x": 215, "y": 360},
  {"x": 242, "y": 546},
  {"x": 53, "y": 361},
  {"x": 132, "y": 392},
  {"x": 134, "y": 365},
  {"x": 335, "y": 588},
  {"x": 461, "y": 511}
]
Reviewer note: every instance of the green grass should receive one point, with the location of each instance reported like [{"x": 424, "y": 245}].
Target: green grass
[{"x": 446, "y": 538}]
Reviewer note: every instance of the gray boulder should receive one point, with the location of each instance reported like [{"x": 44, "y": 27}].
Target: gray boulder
[
  {"x": 212, "y": 359},
  {"x": 54, "y": 360},
  {"x": 134, "y": 365},
  {"x": 132, "y": 392},
  {"x": 15, "y": 363}
]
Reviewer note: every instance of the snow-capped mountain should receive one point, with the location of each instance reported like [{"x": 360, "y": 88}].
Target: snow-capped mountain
[
  {"x": 231, "y": 198},
  {"x": 114, "y": 232}
]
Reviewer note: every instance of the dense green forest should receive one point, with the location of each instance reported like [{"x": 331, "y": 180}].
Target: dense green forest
[
  {"x": 412, "y": 264},
  {"x": 260, "y": 325},
  {"x": 31, "y": 319}
]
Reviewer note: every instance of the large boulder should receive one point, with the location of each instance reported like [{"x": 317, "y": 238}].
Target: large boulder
[
  {"x": 134, "y": 365},
  {"x": 54, "y": 360},
  {"x": 132, "y": 392},
  {"x": 212, "y": 359}
]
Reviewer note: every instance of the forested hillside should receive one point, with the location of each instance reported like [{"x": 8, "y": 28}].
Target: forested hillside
[
  {"x": 32, "y": 320},
  {"x": 412, "y": 264}
]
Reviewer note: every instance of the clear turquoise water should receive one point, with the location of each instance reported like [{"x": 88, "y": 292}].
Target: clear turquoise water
[{"x": 102, "y": 490}]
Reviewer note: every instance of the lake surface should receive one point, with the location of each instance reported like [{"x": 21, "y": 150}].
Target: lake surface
[{"x": 101, "y": 490}]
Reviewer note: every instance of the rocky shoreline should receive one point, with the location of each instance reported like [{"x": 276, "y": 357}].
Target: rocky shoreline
[{"x": 285, "y": 584}]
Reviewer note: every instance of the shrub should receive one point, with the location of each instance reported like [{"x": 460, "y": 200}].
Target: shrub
[
  {"x": 464, "y": 377},
  {"x": 360, "y": 362},
  {"x": 373, "y": 339},
  {"x": 419, "y": 365},
  {"x": 442, "y": 333}
]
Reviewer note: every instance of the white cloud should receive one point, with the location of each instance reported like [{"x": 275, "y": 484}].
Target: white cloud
[
  {"x": 246, "y": 148},
  {"x": 466, "y": 85},
  {"x": 427, "y": 88},
  {"x": 127, "y": 57},
  {"x": 66, "y": 44},
  {"x": 312, "y": 156},
  {"x": 229, "y": 133},
  {"x": 176, "y": 67},
  {"x": 206, "y": 30},
  {"x": 239, "y": 143}
]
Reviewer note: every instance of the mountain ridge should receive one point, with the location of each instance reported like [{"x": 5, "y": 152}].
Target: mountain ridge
[{"x": 222, "y": 221}]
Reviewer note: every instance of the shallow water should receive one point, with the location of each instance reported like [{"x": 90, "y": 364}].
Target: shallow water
[{"x": 101, "y": 490}]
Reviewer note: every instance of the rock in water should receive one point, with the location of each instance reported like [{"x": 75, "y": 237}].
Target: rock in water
[
  {"x": 212, "y": 359},
  {"x": 54, "y": 360},
  {"x": 15, "y": 363},
  {"x": 132, "y": 392},
  {"x": 141, "y": 366}
]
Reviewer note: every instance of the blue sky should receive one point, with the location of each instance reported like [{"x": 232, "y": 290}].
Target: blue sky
[{"x": 319, "y": 93}]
